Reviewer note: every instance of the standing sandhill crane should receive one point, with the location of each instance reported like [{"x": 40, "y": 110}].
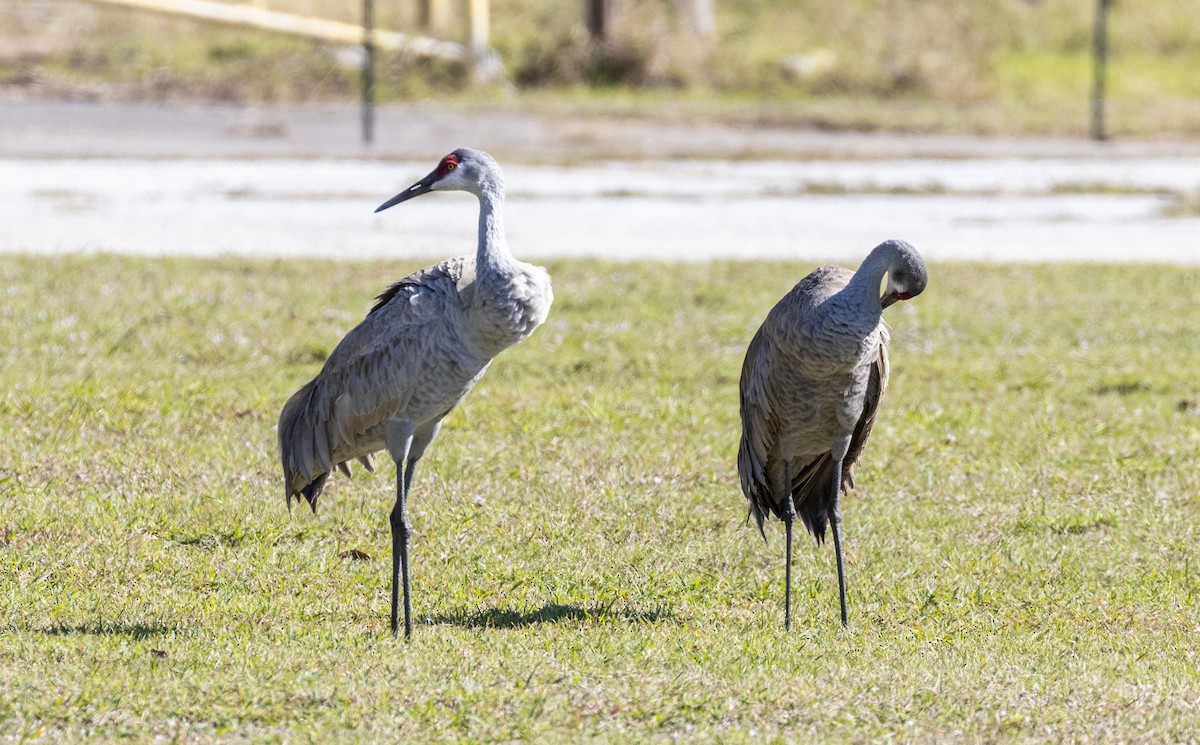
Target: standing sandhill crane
[
  {"x": 811, "y": 384},
  {"x": 421, "y": 348}
]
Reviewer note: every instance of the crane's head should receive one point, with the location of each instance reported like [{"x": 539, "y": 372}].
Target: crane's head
[
  {"x": 462, "y": 170},
  {"x": 906, "y": 275}
]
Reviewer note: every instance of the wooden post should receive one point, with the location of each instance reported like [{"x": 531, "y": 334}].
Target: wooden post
[
  {"x": 249, "y": 16},
  {"x": 1099, "y": 69},
  {"x": 486, "y": 66},
  {"x": 368, "y": 73},
  {"x": 480, "y": 20},
  {"x": 431, "y": 15},
  {"x": 700, "y": 17}
]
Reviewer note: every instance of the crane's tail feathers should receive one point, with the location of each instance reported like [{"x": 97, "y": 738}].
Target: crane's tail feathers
[
  {"x": 812, "y": 491},
  {"x": 304, "y": 447},
  {"x": 310, "y": 491},
  {"x": 313, "y": 490},
  {"x": 759, "y": 518},
  {"x": 812, "y": 495},
  {"x": 754, "y": 485}
]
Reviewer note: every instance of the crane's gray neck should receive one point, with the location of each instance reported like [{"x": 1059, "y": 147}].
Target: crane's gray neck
[
  {"x": 493, "y": 248},
  {"x": 862, "y": 291}
]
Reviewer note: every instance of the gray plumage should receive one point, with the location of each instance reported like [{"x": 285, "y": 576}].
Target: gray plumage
[
  {"x": 426, "y": 342},
  {"x": 811, "y": 384}
]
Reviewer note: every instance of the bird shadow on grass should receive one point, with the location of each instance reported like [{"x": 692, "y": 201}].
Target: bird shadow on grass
[
  {"x": 135, "y": 631},
  {"x": 506, "y": 618}
]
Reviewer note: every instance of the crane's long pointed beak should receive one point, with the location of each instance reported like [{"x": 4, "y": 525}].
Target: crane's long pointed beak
[{"x": 424, "y": 186}]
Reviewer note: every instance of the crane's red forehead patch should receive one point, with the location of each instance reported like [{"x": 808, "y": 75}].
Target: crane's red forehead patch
[{"x": 448, "y": 164}]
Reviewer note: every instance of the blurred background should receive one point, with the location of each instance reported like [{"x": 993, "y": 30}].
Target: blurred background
[
  {"x": 992, "y": 130},
  {"x": 988, "y": 67}
]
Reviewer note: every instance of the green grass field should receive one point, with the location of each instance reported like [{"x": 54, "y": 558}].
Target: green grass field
[{"x": 1022, "y": 554}]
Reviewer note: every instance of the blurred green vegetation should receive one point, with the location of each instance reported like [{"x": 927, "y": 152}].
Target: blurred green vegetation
[{"x": 997, "y": 66}]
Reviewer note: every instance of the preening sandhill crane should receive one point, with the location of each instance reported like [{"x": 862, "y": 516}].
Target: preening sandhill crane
[
  {"x": 421, "y": 348},
  {"x": 811, "y": 384}
]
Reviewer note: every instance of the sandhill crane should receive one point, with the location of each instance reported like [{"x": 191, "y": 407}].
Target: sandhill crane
[
  {"x": 421, "y": 348},
  {"x": 811, "y": 385}
]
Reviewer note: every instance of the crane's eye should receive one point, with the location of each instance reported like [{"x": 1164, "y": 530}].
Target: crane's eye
[{"x": 448, "y": 164}]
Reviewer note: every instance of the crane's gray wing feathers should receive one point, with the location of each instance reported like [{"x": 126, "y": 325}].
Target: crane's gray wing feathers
[
  {"x": 760, "y": 428},
  {"x": 876, "y": 387},
  {"x": 369, "y": 376}
]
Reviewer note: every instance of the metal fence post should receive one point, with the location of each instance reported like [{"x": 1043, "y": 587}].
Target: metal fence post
[
  {"x": 598, "y": 13},
  {"x": 368, "y": 73},
  {"x": 1099, "y": 69}
]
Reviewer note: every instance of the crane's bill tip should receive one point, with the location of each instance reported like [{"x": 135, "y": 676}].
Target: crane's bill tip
[
  {"x": 391, "y": 202},
  {"x": 424, "y": 186}
]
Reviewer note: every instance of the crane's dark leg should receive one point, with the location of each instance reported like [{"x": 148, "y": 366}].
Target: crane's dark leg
[
  {"x": 835, "y": 520},
  {"x": 789, "y": 517},
  {"x": 399, "y": 442},
  {"x": 401, "y": 531}
]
